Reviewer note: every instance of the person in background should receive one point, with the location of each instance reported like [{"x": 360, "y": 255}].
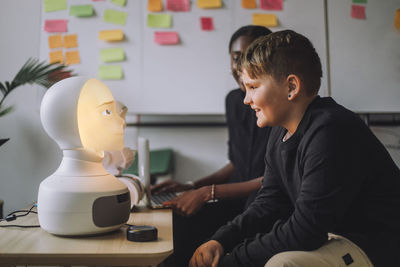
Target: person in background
[
  {"x": 331, "y": 192},
  {"x": 195, "y": 219}
]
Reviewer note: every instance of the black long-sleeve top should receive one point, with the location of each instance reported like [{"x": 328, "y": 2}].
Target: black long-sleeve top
[{"x": 332, "y": 175}]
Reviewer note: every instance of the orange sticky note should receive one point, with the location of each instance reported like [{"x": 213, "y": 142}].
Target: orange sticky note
[
  {"x": 72, "y": 57},
  {"x": 267, "y": 20},
  {"x": 70, "y": 41},
  {"x": 111, "y": 35},
  {"x": 209, "y": 3},
  {"x": 56, "y": 56},
  {"x": 397, "y": 19},
  {"x": 154, "y": 5},
  {"x": 358, "y": 12},
  {"x": 249, "y": 4},
  {"x": 55, "y": 41}
]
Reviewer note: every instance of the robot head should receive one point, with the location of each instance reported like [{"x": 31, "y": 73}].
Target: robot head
[{"x": 78, "y": 112}]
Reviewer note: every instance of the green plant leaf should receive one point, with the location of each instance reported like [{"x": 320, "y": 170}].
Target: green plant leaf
[{"x": 6, "y": 110}]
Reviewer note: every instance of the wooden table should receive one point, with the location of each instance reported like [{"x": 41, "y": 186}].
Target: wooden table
[{"x": 34, "y": 246}]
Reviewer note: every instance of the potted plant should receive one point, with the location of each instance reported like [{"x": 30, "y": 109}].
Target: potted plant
[{"x": 32, "y": 72}]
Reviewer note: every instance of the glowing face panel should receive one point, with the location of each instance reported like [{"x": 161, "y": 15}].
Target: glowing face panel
[{"x": 100, "y": 126}]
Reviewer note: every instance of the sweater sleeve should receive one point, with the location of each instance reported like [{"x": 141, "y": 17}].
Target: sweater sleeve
[{"x": 328, "y": 185}]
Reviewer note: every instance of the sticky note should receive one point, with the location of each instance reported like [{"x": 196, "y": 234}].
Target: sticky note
[
  {"x": 159, "y": 20},
  {"x": 166, "y": 38},
  {"x": 55, "y": 41},
  {"x": 70, "y": 41},
  {"x": 56, "y": 56},
  {"x": 154, "y": 5},
  {"x": 119, "y": 2},
  {"x": 114, "y": 16},
  {"x": 271, "y": 4},
  {"x": 112, "y": 54},
  {"x": 81, "y": 10},
  {"x": 111, "y": 35},
  {"x": 110, "y": 72},
  {"x": 207, "y": 23},
  {"x": 72, "y": 57},
  {"x": 360, "y": 1},
  {"x": 54, "y": 5},
  {"x": 209, "y": 3},
  {"x": 397, "y": 19},
  {"x": 249, "y": 4},
  {"x": 57, "y": 25},
  {"x": 178, "y": 5},
  {"x": 267, "y": 20},
  {"x": 358, "y": 12}
]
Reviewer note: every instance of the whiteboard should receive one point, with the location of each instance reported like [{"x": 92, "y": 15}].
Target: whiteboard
[
  {"x": 365, "y": 56},
  {"x": 192, "y": 77}
]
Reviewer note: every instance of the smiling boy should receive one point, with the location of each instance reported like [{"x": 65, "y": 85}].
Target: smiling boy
[{"x": 331, "y": 192}]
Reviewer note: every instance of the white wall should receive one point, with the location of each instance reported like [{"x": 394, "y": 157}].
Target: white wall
[{"x": 30, "y": 155}]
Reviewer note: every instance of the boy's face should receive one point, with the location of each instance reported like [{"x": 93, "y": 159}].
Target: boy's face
[
  {"x": 268, "y": 98},
  {"x": 237, "y": 49}
]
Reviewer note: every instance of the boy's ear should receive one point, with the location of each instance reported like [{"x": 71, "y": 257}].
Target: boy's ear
[{"x": 293, "y": 82}]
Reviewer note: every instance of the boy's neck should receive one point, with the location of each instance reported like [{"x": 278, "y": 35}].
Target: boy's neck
[{"x": 297, "y": 112}]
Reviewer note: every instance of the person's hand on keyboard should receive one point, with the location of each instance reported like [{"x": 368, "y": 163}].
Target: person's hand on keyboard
[
  {"x": 170, "y": 186},
  {"x": 190, "y": 202}
]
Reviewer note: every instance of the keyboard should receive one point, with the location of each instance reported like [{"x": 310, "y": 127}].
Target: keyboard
[{"x": 157, "y": 200}]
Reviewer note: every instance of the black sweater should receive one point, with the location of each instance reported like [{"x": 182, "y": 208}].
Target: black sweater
[{"x": 333, "y": 175}]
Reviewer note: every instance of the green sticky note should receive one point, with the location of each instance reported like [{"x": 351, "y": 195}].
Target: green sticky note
[
  {"x": 159, "y": 20},
  {"x": 81, "y": 10},
  {"x": 110, "y": 72},
  {"x": 54, "y": 5},
  {"x": 114, "y": 16},
  {"x": 112, "y": 54},
  {"x": 359, "y": 1},
  {"x": 119, "y": 2}
]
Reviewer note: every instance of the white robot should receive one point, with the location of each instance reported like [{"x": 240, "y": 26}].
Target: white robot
[{"x": 81, "y": 197}]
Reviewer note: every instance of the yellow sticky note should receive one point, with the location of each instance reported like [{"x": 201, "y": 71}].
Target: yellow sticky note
[
  {"x": 154, "y": 5},
  {"x": 209, "y": 3},
  {"x": 55, "y": 41},
  {"x": 72, "y": 57},
  {"x": 70, "y": 41},
  {"x": 397, "y": 19},
  {"x": 56, "y": 56},
  {"x": 249, "y": 4},
  {"x": 111, "y": 35},
  {"x": 267, "y": 20}
]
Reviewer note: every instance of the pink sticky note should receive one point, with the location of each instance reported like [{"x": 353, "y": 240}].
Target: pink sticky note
[
  {"x": 166, "y": 38},
  {"x": 207, "y": 23},
  {"x": 271, "y": 4},
  {"x": 178, "y": 5},
  {"x": 358, "y": 12},
  {"x": 57, "y": 25}
]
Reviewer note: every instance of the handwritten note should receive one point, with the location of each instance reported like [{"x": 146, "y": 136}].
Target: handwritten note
[
  {"x": 178, "y": 5},
  {"x": 110, "y": 72},
  {"x": 159, "y": 20},
  {"x": 358, "y": 12},
  {"x": 166, "y": 38},
  {"x": 397, "y": 19},
  {"x": 72, "y": 57},
  {"x": 119, "y": 2},
  {"x": 56, "y": 56},
  {"x": 81, "y": 10},
  {"x": 111, "y": 35},
  {"x": 54, "y": 5},
  {"x": 154, "y": 5},
  {"x": 55, "y": 41},
  {"x": 57, "y": 25},
  {"x": 249, "y": 4},
  {"x": 271, "y": 4},
  {"x": 70, "y": 41},
  {"x": 207, "y": 23},
  {"x": 112, "y": 54},
  {"x": 267, "y": 20},
  {"x": 114, "y": 16},
  {"x": 209, "y": 3}
]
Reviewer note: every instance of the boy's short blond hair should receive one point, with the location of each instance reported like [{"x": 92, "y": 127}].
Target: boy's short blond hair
[{"x": 280, "y": 54}]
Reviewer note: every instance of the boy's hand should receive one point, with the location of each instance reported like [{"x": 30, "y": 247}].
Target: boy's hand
[
  {"x": 190, "y": 202},
  {"x": 207, "y": 255},
  {"x": 170, "y": 186}
]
